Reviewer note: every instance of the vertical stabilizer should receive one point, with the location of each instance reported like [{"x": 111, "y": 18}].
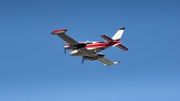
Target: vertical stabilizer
[{"x": 118, "y": 34}]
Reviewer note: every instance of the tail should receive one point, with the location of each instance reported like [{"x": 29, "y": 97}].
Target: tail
[
  {"x": 116, "y": 38},
  {"x": 118, "y": 34}
]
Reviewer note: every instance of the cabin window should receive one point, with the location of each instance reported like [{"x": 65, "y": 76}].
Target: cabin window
[
  {"x": 89, "y": 43},
  {"x": 101, "y": 41}
]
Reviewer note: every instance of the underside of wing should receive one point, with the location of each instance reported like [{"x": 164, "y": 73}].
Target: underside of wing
[
  {"x": 106, "y": 61},
  {"x": 61, "y": 34}
]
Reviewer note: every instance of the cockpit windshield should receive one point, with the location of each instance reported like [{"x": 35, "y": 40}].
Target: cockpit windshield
[
  {"x": 89, "y": 42},
  {"x": 101, "y": 41},
  {"x": 92, "y": 42}
]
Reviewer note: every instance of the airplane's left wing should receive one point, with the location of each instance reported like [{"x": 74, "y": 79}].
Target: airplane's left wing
[
  {"x": 61, "y": 34},
  {"x": 106, "y": 61}
]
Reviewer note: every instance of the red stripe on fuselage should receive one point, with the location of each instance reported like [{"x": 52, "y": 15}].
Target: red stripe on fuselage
[{"x": 98, "y": 45}]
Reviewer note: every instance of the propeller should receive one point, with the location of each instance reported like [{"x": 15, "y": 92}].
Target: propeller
[
  {"x": 82, "y": 61},
  {"x": 64, "y": 48}
]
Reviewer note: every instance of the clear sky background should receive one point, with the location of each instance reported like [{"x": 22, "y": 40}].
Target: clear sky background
[{"x": 33, "y": 66}]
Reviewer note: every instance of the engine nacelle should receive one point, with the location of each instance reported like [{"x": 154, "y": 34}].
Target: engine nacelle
[
  {"x": 100, "y": 55},
  {"x": 74, "y": 52},
  {"x": 91, "y": 58},
  {"x": 73, "y": 47},
  {"x": 69, "y": 47}
]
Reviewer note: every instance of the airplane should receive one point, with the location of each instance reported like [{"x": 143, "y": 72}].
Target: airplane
[{"x": 89, "y": 49}]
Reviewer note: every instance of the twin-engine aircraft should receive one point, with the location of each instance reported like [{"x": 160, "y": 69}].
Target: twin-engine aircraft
[{"x": 89, "y": 49}]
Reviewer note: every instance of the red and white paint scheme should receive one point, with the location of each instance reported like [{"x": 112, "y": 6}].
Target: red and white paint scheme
[{"x": 89, "y": 49}]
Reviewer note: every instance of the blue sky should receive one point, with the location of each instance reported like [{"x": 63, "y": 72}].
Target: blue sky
[{"x": 34, "y": 68}]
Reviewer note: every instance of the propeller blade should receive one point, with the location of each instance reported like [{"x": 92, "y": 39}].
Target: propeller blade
[
  {"x": 64, "y": 48},
  {"x": 82, "y": 61}
]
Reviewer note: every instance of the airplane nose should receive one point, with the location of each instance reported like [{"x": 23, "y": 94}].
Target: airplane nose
[
  {"x": 66, "y": 46},
  {"x": 74, "y": 52}
]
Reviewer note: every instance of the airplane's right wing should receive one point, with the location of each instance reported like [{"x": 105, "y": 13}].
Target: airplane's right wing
[
  {"x": 61, "y": 34},
  {"x": 106, "y": 61}
]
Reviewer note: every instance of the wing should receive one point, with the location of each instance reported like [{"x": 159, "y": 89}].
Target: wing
[
  {"x": 61, "y": 34},
  {"x": 106, "y": 61}
]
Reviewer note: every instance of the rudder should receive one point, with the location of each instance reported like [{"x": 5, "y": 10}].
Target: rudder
[{"x": 118, "y": 34}]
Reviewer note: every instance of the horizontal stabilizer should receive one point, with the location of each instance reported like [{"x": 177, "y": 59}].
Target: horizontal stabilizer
[
  {"x": 122, "y": 47},
  {"x": 107, "y": 38}
]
